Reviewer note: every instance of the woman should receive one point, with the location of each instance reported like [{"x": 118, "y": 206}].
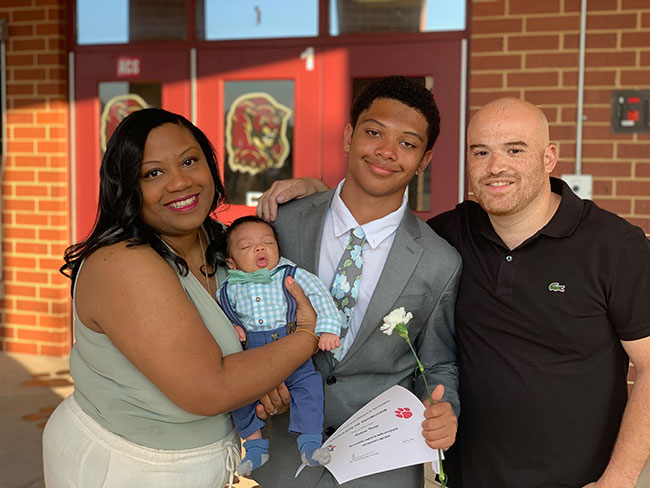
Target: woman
[{"x": 157, "y": 365}]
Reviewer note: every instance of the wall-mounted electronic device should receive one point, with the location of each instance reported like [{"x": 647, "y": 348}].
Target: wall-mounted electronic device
[{"x": 630, "y": 111}]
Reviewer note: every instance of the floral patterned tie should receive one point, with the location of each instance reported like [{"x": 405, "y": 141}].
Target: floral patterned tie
[{"x": 345, "y": 288}]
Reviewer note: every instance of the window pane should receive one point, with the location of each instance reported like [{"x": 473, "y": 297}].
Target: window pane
[
  {"x": 123, "y": 21},
  {"x": 357, "y": 16},
  {"x": 156, "y": 20},
  {"x": 256, "y": 19},
  {"x": 101, "y": 22},
  {"x": 118, "y": 99},
  {"x": 258, "y": 138},
  {"x": 419, "y": 189}
]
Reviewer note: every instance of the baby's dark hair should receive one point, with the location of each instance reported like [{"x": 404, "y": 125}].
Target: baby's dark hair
[
  {"x": 406, "y": 91},
  {"x": 246, "y": 219}
]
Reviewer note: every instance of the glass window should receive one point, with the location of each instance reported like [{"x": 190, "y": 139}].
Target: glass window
[
  {"x": 419, "y": 189},
  {"x": 258, "y": 137},
  {"x": 123, "y": 21},
  {"x": 100, "y": 22},
  {"x": 118, "y": 99},
  {"x": 359, "y": 16},
  {"x": 256, "y": 19}
]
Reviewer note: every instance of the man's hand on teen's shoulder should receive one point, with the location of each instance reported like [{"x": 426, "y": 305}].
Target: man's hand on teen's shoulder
[{"x": 283, "y": 191}]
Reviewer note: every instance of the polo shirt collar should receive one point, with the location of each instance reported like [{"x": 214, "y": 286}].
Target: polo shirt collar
[
  {"x": 567, "y": 216},
  {"x": 375, "y": 231}
]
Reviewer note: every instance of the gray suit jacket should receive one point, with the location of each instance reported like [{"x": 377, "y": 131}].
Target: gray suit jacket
[{"x": 421, "y": 274}]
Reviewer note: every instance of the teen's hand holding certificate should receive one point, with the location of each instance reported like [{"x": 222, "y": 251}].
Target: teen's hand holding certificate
[{"x": 385, "y": 434}]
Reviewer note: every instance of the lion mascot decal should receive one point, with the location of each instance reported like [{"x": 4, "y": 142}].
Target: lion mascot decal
[
  {"x": 256, "y": 129},
  {"x": 115, "y": 110}
]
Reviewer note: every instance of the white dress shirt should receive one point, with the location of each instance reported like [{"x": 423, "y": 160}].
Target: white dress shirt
[{"x": 379, "y": 233}]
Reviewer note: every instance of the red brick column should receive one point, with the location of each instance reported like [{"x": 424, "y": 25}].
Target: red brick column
[{"x": 35, "y": 309}]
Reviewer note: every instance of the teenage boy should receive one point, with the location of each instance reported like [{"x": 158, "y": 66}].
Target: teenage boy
[{"x": 402, "y": 263}]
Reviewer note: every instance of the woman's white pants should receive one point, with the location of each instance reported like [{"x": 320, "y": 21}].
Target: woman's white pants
[{"x": 80, "y": 453}]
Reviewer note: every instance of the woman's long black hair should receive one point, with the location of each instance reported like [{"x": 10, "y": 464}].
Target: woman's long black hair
[{"x": 120, "y": 198}]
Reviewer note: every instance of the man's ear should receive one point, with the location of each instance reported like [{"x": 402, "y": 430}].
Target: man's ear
[
  {"x": 550, "y": 158},
  {"x": 231, "y": 264},
  {"x": 424, "y": 162},
  {"x": 347, "y": 137}
]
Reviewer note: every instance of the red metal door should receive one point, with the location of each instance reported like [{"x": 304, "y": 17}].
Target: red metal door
[
  {"x": 261, "y": 107},
  {"x": 435, "y": 63},
  {"x": 108, "y": 86}
]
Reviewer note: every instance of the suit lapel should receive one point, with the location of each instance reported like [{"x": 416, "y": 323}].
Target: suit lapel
[
  {"x": 310, "y": 230},
  {"x": 402, "y": 259}
]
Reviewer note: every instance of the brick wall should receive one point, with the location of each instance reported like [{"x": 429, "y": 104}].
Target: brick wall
[
  {"x": 34, "y": 311},
  {"x": 529, "y": 49}
]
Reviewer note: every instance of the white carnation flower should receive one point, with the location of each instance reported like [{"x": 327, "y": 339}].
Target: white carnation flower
[{"x": 397, "y": 316}]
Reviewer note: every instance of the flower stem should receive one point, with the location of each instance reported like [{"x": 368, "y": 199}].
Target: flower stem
[{"x": 441, "y": 476}]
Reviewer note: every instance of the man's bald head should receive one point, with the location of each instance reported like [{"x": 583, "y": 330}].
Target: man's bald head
[
  {"x": 514, "y": 108},
  {"x": 509, "y": 157}
]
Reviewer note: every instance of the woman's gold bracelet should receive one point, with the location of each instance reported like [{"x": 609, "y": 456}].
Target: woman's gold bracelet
[{"x": 308, "y": 331}]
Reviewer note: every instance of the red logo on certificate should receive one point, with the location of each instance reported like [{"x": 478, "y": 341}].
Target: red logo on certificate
[{"x": 403, "y": 413}]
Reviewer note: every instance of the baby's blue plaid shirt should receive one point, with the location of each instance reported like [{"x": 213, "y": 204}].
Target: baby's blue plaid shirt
[{"x": 263, "y": 307}]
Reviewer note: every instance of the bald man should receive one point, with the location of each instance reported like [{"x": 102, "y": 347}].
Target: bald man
[{"x": 553, "y": 299}]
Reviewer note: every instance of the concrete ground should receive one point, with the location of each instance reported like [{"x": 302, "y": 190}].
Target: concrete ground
[{"x": 30, "y": 389}]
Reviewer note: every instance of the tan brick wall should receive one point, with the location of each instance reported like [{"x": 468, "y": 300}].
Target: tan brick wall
[
  {"x": 35, "y": 308},
  {"x": 529, "y": 49}
]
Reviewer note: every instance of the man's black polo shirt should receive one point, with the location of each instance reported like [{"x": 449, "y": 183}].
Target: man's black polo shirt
[{"x": 543, "y": 373}]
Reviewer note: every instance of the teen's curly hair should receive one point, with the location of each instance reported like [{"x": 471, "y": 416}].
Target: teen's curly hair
[
  {"x": 403, "y": 90},
  {"x": 120, "y": 198}
]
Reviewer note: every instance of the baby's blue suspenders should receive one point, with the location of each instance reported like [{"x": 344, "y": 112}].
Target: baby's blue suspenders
[{"x": 292, "y": 307}]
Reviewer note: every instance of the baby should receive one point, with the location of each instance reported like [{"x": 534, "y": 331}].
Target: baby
[{"x": 256, "y": 301}]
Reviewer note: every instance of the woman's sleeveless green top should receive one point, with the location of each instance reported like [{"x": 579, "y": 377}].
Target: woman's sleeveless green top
[{"x": 110, "y": 389}]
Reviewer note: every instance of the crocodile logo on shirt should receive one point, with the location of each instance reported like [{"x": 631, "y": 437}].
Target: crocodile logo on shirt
[{"x": 555, "y": 286}]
